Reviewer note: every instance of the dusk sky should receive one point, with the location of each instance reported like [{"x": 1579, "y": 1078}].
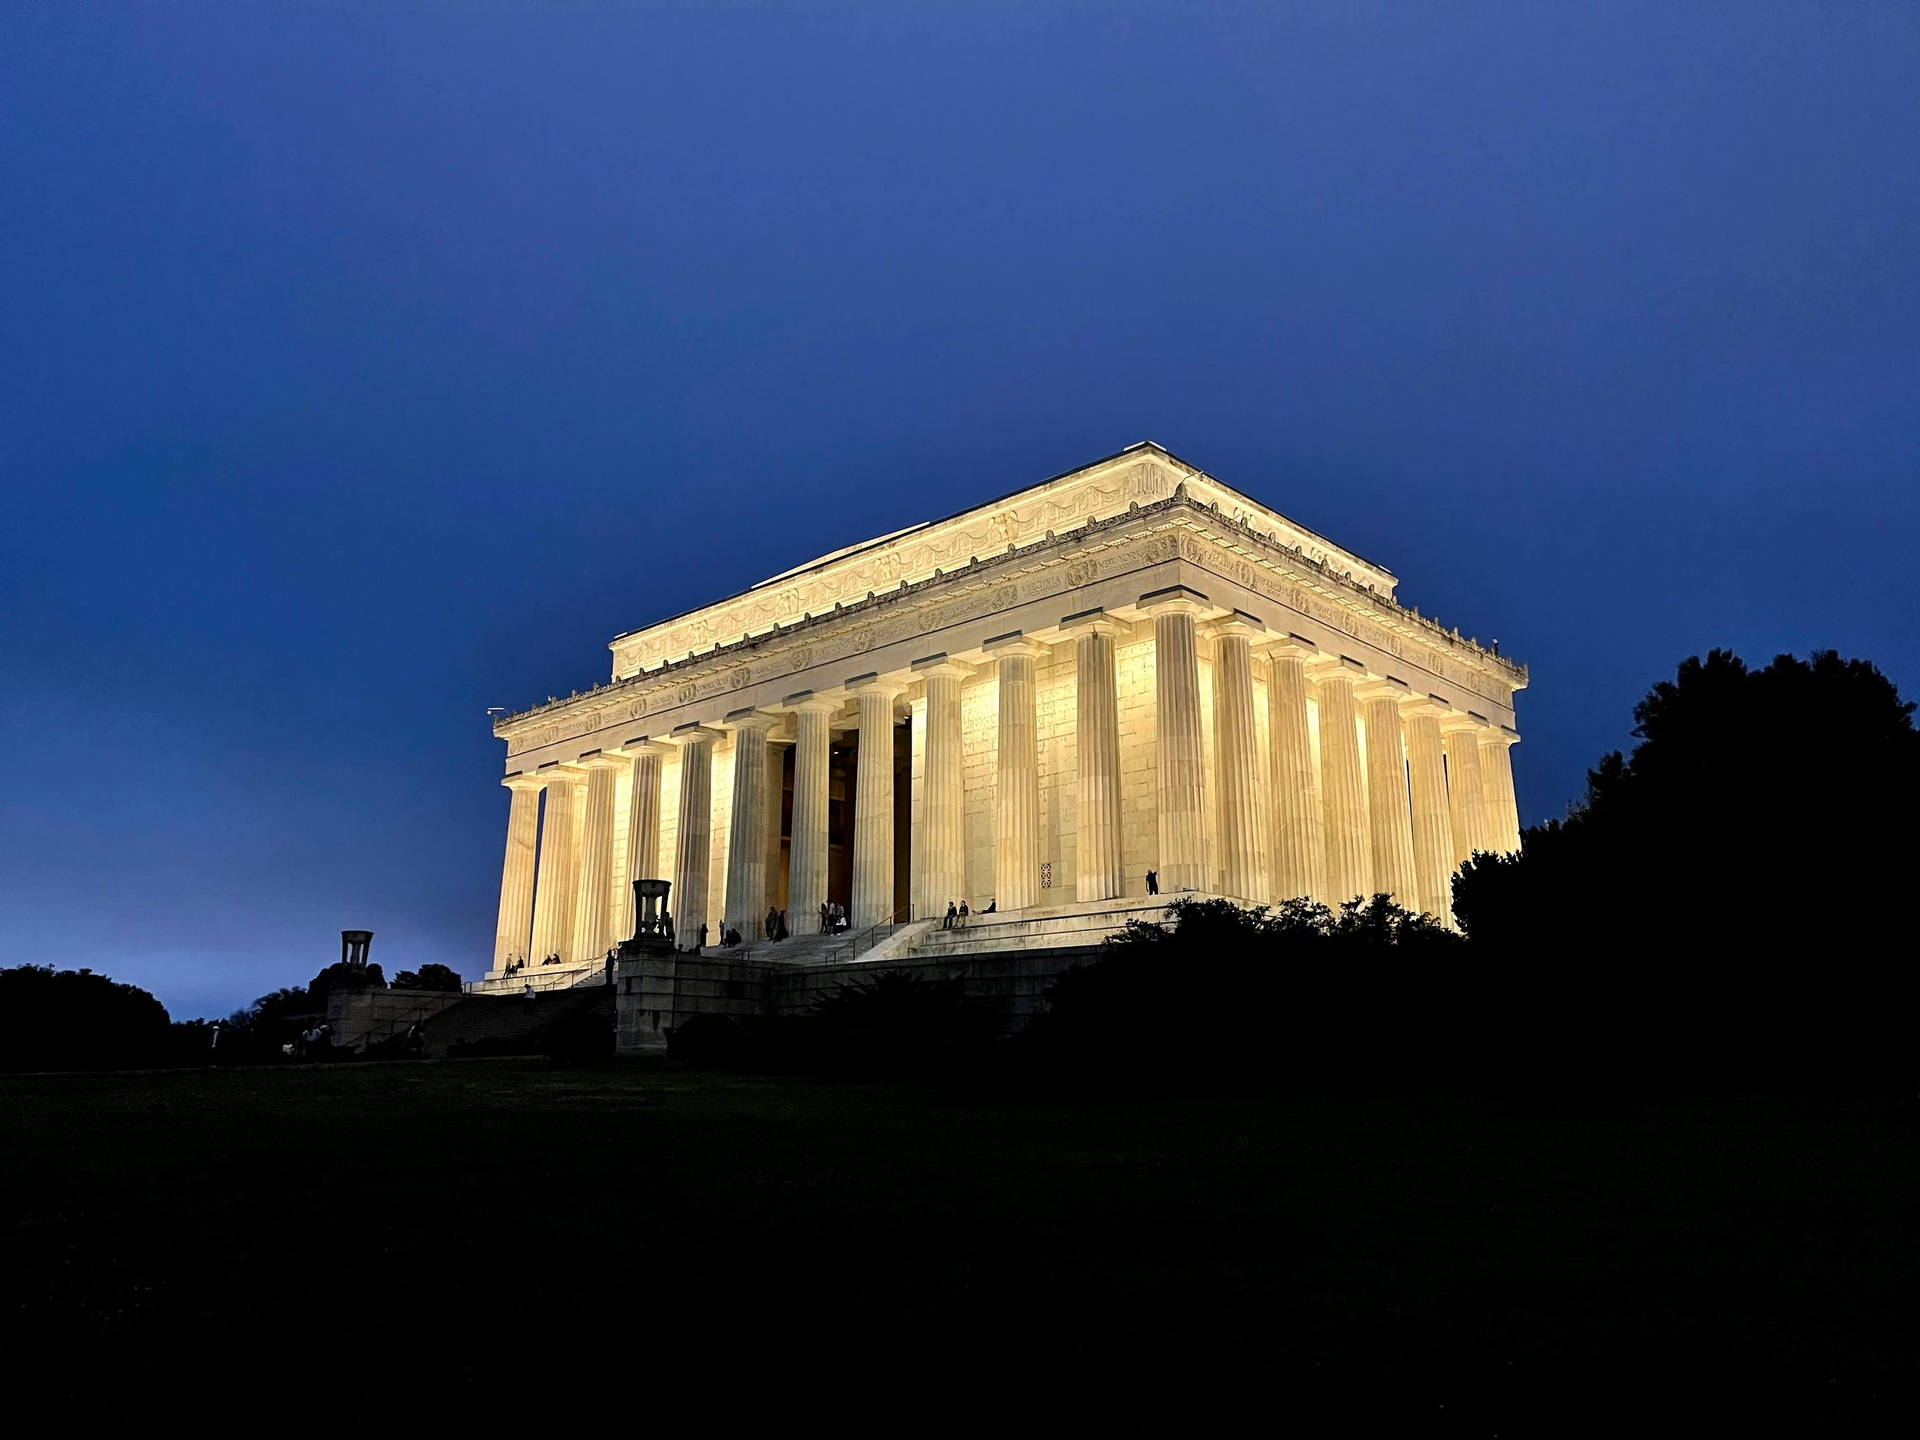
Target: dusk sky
[{"x": 370, "y": 365}]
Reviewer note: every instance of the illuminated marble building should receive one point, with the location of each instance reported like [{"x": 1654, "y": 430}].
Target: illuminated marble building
[{"x": 1127, "y": 668}]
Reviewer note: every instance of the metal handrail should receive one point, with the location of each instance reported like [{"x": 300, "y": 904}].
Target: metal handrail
[{"x": 870, "y": 936}]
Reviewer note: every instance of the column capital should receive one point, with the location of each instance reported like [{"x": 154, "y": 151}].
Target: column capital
[
  {"x": 750, "y": 718},
  {"x": 1176, "y": 600},
  {"x": 1293, "y": 647},
  {"x": 561, "y": 770},
  {"x": 874, "y": 683},
  {"x": 1419, "y": 704},
  {"x": 1014, "y": 644},
  {"x": 1238, "y": 625},
  {"x": 1385, "y": 688},
  {"x": 1326, "y": 665},
  {"x": 601, "y": 760},
  {"x": 688, "y": 734},
  {"x": 813, "y": 702},
  {"x": 1504, "y": 735},
  {"x": 932, "y": 665},
  {"x": 1455, "y": 721},
  {"x": 640, "y": 745},
  {"x": 1092, "y": 622},
  {"x": 520, "y": 780}
]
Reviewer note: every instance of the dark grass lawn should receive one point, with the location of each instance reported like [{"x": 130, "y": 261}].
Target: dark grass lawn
[{"x": 1434, "y": 1248}]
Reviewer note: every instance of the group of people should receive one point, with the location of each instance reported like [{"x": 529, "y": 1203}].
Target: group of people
[
  {"x": 957, "y": 915},
  {"x": 833, "y": 917},
  {"x": 515, "y": 966}
]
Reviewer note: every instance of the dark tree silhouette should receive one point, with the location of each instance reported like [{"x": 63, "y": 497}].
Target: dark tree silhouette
[
  {"x": 427, "y": 977},
  {"x": 1301, "y": 996},
  {"x": 77, "y": 1020},
  {"x": 1728, "y": 896}
]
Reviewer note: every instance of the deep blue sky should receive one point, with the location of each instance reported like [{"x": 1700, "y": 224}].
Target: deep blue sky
[{"x": 369, "y": 365}]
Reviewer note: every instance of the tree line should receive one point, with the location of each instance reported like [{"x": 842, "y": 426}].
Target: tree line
[
  {"x": 78, "y": 1020},
  {"x": 1726, "y": 906}
]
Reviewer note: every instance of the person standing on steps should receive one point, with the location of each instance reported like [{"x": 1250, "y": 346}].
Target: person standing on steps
[{"x": 1153, "y": 882}]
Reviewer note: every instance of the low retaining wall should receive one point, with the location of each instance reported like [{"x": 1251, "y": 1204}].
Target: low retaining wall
[
  {"x": 658, "y": 993},
  {"x": 365, "y": 1017}
]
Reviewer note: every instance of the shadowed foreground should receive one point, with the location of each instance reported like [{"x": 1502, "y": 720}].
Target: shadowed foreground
[{"x": 503, "y": 1209}]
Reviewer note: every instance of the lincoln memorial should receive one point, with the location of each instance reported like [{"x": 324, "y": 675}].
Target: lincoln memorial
[{"x": 1028, "y": 706}]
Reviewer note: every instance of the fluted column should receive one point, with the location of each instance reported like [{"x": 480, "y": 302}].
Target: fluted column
[
  {"x": 1389, "y": 822},
  {"x": 1099, "y": 871},
  {"x": 1427, "y": 794},
  {"x": 1016, "y": 795},
  {"x": 747, "y": 827},
  {"x": 1496, "y": 778},
  {"x": 1299, "y": 847},
  {"x": 1466, "y": 793},
  {"x": 513, "y": 935},
  {"x": 1236, "y": 748},
  {"x": 1179, "y": 788},
  {"x": 776, "y": 897},
  {"x": 942, "y": 861},
  {"x": 593, "y": 916},
  {"x": 873, "y": 802},
  {"x": 807, "y": 864},
  {"x": 643, "y": 813},
  {"x": 1349, "y": 845},
  {"x": 693, "y": 845},
  {"x": 553, "y": 899}
]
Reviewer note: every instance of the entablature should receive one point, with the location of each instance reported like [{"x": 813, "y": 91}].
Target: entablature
[{"x": 1177, "y": 529}]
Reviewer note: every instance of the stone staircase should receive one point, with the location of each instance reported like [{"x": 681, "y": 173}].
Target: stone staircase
[
  {"x": 541, "y": 978},
  {"x": 817, "y": 949},
  {"x": 1037, "y": 928},
  {"x": 513, "y": 1024}
]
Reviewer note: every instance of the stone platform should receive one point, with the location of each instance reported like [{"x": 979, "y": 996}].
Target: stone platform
[
  {"x": 658, "y": 994},
  {"x": 1008, "y": 958}
]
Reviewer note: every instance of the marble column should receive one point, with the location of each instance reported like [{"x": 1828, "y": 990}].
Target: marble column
[
  {"x": 1016, "y": 794},
  {"x": 1179, "y": 787},
  {"x": 942, "y": 861},
  {"x": 693, "y": 844},
  {"x": 593, "y": 917},
  {"x": 1496, "y": 779},
  {"x": 553, "y": 897},
  {"x": 873, "y": 802},
  {"x": 1343, "y": 793},
  {"x": 776, "y": 898},
  {"x": 513, "y": 935},
  {"x": 1236, "y": 748},
  {"x": 643, "y": 819},
  {"x": 1466, "y": 793},
  {"x": 807, "y": 864},
  {"x": 1427, "y": 792},
  {"x": 1389, "y": 822},
  {"x": 1099, "y": 872},
  {"x": 1299, "y": 845},
  {"x": 747, "y": 823}
]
